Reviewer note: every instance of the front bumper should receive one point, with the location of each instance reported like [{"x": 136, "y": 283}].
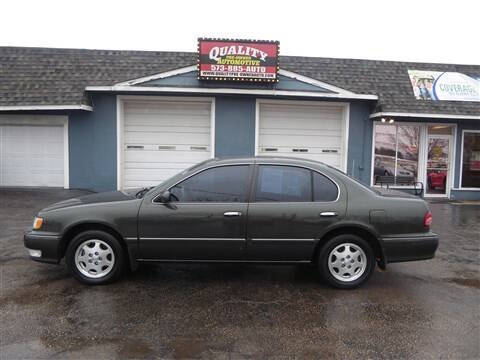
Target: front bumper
[
  {"x": 48, "y": 244},
  {"x": 398, "y": 249}
]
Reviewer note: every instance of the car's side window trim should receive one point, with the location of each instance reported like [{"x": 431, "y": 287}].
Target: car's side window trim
[
  {"x": 255, "y": 179},
  {"x": 245, "y": 198}
]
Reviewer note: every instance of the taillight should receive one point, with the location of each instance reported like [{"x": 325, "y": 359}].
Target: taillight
[{"x": 427, "y": 220}]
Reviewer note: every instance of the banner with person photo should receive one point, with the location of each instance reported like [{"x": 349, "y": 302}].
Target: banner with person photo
[{"x": 451, "y": 86}]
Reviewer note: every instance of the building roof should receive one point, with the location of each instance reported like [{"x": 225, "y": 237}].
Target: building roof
[{"x": 51, "y": 76}]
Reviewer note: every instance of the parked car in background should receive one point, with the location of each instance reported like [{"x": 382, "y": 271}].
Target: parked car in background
[{"x": 255, "y": 210}]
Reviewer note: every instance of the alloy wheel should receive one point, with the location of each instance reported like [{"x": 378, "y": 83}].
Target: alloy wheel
[
  {"x": 94, "y": 258},
  {"x": 347, "y": 262}
]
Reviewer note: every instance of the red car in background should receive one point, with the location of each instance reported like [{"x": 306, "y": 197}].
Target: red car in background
[{"x": 437, "y": 180}]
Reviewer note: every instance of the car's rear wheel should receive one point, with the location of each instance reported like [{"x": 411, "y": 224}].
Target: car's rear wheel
[
  {"x": 95, "y": 257},
  {"x": 346, "y": 261}
]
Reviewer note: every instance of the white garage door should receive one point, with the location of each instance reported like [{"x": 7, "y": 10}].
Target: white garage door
[
  {"x": 313, "y": 131},
  {"x": 31, "y": 155},
  {"x": 163, "y": 137}
]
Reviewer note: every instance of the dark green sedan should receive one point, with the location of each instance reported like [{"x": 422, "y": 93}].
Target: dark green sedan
[{"x": 251, "y": 210}]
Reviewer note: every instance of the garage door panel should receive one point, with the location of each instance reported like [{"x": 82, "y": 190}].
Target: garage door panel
[
  {"x": 167, "y": 106},
  {"x": 145, "y": 156},
  {"x": 330, "y": 159},
  {"x": 317, "y": 123},
  {"x": 155, "y": 165},
  {"x": 154, "y": 175},
  {"x": 200, "y": 138},
  {"x": 306, "y": 131},
  {"x": 149, "y": 177},
  {"x": 164, "y": 118},
  {"x": 162, "y": 138},
  {"x": 300, "y": 141},
  {"x": 168, "y": 128}
]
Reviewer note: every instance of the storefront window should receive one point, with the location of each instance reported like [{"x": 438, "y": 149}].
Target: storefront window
[
  {"x": 471, "y": 160},
  {"x": 396, "y": 152}
]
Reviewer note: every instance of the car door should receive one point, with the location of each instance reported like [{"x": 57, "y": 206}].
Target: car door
[
  {"x": 290, "y": 207},
  {"x": 205, "y": 219}
]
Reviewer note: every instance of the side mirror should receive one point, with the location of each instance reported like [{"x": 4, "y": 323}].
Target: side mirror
[{"x": 165, "y": 197}]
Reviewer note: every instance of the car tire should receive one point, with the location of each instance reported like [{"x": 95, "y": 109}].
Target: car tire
[
  {"x": 346, "y": 261},
  {"x": 95, "y": 258}
]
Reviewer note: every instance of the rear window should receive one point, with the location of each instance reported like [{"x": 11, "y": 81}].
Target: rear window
[{"x": 324, "y": 189}]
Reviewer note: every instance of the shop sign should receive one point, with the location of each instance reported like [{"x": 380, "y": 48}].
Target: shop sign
[
  {"x": 238, "y": 60},
  {"x": 451, "y": 86}
]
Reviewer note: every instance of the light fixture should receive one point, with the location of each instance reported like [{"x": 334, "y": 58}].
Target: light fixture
[
  {"x": 391, "y": 121},
  {"x": 383, "y": 120}
]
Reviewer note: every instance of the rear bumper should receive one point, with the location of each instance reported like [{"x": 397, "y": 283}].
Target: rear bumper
[
  {"x": 398, "y": 249},
  {"x": 48, "y": 244}
]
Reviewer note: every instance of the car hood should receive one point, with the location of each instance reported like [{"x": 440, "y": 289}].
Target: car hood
[{"x": 104, "y": 197}]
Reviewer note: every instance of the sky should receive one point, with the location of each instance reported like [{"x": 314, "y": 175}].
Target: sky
[{"x": 420, "y": 31}]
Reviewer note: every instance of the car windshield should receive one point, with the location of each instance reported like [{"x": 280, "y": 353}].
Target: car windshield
[{"x": 147, "y": 190}]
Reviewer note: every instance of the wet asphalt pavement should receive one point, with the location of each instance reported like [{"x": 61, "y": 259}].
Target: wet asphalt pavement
[{"x": 427, "y": 310}]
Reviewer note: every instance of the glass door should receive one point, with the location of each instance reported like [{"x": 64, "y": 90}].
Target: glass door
[{"x": 438, "y": 165}]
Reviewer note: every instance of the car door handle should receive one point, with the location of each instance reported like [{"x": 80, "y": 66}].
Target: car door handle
[
  {"x": 232, "y": 213},
  {"x": 328, "y": 213}
]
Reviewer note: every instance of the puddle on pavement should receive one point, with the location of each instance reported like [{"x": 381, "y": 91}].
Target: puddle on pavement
[
  {"x": 126, "y": 348},
  {"x": 37, "y": 292},
  {"x": 473, "y": 283},
  {"x": 188, "y": 348},
  {"x": 134, "y": 349}
]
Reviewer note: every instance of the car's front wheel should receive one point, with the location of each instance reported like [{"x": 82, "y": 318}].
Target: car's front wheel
[
  {"x": 95, "y": 257},
  {"x": 346, "y": 261}
]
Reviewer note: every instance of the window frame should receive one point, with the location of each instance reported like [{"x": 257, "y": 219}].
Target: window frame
[
  {"x": 460, "y": 187},
  {"x": 421, "y": 135},
  {"x": 253, "y": 185},
  {"x": 244, "y": 200}
]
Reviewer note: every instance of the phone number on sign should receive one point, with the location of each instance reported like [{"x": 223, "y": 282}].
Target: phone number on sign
[{"x": 238, "y": 68}]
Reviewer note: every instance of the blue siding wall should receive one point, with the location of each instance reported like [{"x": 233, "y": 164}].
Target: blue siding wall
[
  {"x": 93, "y": 145},
  {"x": 234, "y": 126},
  {"x": 360, "y": 142}
]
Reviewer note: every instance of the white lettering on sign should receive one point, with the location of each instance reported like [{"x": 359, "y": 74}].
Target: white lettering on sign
[{"x": 217, "y": 52}]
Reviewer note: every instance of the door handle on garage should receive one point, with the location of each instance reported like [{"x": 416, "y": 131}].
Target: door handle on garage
[
  {"x": 232, "y": 213},
  {"x": 328, "y": 213}
]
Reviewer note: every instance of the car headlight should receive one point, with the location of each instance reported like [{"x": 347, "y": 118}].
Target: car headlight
[{"x": 37, "y": 223}]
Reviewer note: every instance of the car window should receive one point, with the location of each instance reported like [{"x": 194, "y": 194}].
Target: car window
[
  {"x": 220, "y": 184},
  {"x": 283, "y": 183},
  {"x": 324, "y": 189}
]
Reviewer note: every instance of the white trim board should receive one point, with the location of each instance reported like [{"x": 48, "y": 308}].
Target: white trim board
[
  {"x": 155, "y": 89},
  {"x": 315, "y": 82},
  {"x": 420, "y": 115},
  {"x": 162, "y": 75},
  {"x": 286, "y": 73},
  {"x": 46, "y": 107}
]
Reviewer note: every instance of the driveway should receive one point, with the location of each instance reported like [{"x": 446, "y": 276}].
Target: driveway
[{"x": 427, "y": 310}]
